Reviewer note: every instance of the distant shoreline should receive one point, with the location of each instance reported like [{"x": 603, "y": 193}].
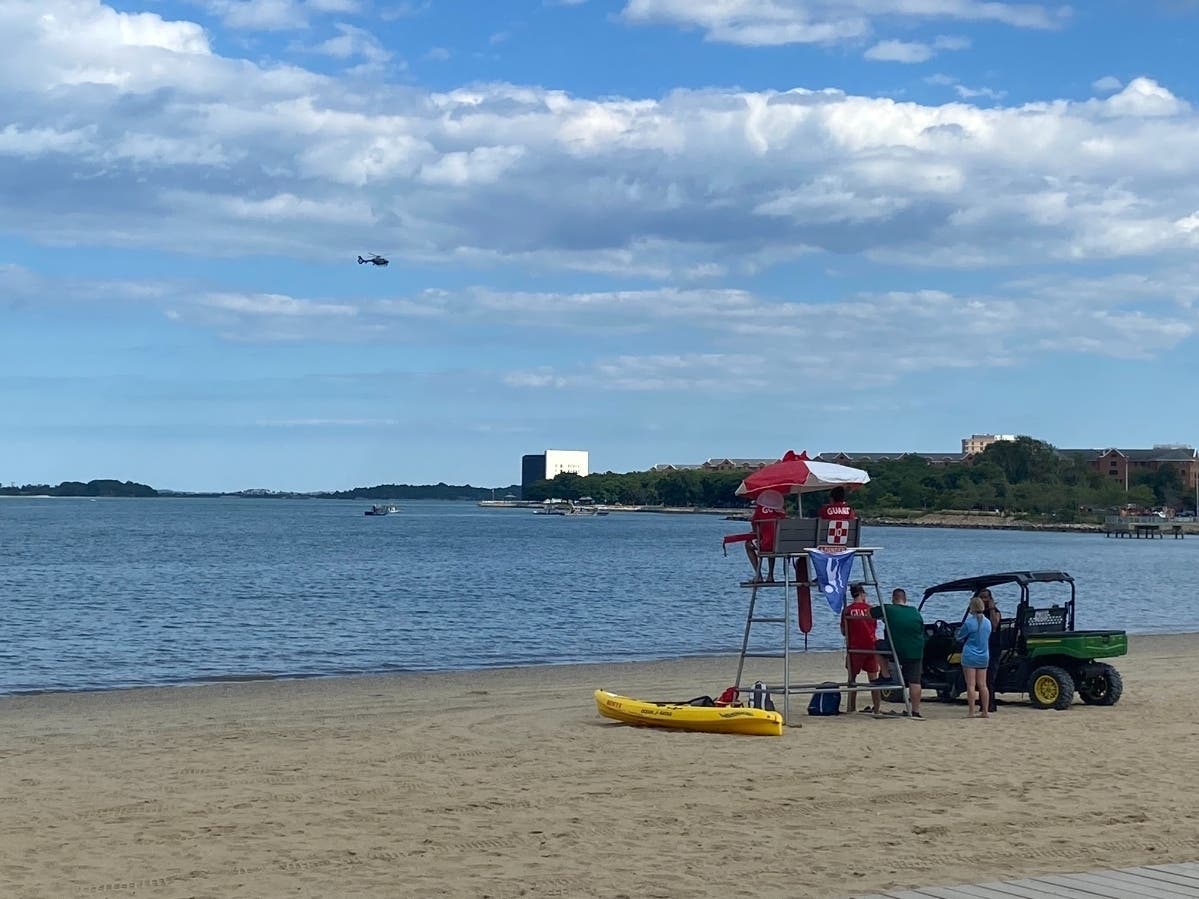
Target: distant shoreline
[{"x": 962, "y": 521}]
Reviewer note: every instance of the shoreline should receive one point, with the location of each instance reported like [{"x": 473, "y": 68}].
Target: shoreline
[
  {"x": 365, "y": 786},
  {"x": 959, "y": 520},
  {"x": 729, "y": 657}
]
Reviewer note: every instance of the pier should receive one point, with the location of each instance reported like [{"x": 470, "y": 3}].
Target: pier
[{"x": 1148, "y": 526}]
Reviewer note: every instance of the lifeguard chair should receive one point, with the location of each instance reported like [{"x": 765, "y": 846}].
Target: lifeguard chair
[{"x": 795, "y": 538}]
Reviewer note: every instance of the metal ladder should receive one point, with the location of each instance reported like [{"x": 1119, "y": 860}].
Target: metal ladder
[{"x": 865, "y": 555}]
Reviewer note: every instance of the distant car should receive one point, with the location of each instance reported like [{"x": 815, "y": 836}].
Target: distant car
[{"x": 1186, "y": 514}]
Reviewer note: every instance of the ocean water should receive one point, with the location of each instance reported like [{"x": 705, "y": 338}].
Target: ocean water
[{"x": 109, "y": 593}]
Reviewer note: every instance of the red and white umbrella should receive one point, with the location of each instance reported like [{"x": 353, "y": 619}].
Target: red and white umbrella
[{"x": 799, "y": 474}]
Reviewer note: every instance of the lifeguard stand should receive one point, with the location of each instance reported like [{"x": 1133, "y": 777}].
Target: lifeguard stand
[{"x": 794, "y": 539}]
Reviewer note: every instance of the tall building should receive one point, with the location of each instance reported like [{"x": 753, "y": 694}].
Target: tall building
[
  {"x": 548, "y": 465},
  {"x": 976, "y": 443}
]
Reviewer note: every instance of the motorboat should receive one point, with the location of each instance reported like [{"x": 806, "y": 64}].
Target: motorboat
[
  {"x": 390, "y": 509},
  {"x": 567, "y": 507}
]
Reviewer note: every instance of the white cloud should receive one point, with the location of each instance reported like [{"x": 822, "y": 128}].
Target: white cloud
[
  {"x": 352, "y": 42},
  {"x": 438, "y": 54},
  {"x": 167, "y": 144},
  {"x": 260, "y": 15},
  {"x": 1145, "y": 97},
  {"x": 775, "y": 22},
  {"x": 964, "y": 92},
  {"x": 273, "y": 304},
  {"x": 736, "y": 340},
  {"x": 1107, "y": 84},
  {"x": 970, "y": 93},
  {"x": 900, "y": 51}
]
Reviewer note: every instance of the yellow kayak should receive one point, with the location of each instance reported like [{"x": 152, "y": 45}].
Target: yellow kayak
[{"x": 710, "y": 719}]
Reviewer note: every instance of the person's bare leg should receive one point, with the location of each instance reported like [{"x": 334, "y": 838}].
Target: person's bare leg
[
  {"x": 876, "y": 697},
  {"x": 984, "y": 695},
  {"x": 914, "y": 689},
  {"x": 754, "y": 561},
  {"x": 971, "y": 690}
]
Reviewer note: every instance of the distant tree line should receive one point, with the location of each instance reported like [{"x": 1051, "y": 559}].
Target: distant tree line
[
  {"x": 78, "y": 488},
  {"x": 381, "y": 491},
  {"x": 1021, "y": 477},
  {"x": 423, "y": 491}
]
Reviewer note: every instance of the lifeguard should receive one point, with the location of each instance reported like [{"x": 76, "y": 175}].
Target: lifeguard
[
  {"x": 838, "y": 513},
  {"x": 768, "y": 511}
]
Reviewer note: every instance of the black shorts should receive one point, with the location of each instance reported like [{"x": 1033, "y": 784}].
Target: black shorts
[
  {"x": 883, "y": 646},
  {"x": 911, "y": 669}
]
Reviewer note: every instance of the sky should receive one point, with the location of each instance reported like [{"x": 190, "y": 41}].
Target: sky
[{"x": 656, "y": 230}]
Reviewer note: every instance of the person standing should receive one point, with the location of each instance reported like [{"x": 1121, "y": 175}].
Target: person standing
[
  {"x": 991, "y": 610},
  {"x": 903, "y": 629},
  {"x": 859, "y": 627},
  {"x": 975, "y": 633}
]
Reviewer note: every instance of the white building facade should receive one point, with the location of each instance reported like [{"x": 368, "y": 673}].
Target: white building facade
[{"x": 565, "y": 462}]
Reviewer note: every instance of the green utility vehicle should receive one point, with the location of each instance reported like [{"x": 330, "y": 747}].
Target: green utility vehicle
[{"x": 1041, "y": 653}]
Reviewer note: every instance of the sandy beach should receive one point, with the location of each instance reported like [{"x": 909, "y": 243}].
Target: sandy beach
[{"x": 507, "y": 783}]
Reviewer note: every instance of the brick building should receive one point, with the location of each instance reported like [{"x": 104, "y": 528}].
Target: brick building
[{"x": 1122, "y": 465}]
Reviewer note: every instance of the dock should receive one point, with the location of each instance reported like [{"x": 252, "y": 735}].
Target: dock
[
  {"x": 1150, "y": 882},
  {"x": 1148, "y": 526}
]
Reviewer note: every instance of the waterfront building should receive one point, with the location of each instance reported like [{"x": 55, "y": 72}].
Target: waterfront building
[
  {"x": 976, "y": 443},
  {"x": 1123, "y": 464},
  {"x": 548, "y": 465}
]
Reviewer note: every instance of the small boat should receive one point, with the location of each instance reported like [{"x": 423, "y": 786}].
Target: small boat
[
  {"x": 708, "y": 719},
  {"x": 383, "y": 510}
]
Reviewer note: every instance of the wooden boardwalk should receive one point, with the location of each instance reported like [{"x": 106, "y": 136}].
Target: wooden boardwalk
[{"x": 1152, "y": 882}]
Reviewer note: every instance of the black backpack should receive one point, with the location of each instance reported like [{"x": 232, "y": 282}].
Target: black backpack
[{"x": 826, "y": 703}]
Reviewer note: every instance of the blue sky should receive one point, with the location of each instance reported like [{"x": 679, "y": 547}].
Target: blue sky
[{"x": 658, "y": 230}]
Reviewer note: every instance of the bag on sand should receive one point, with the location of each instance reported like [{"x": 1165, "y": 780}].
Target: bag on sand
[
  {"x": 760, "y": 697},
  {"x": 825, "y": 703}
]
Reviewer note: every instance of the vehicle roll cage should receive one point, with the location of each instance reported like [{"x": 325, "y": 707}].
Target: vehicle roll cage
[{"x": 1021, "y": 578}]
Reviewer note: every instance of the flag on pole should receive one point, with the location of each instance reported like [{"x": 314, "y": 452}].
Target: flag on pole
[{"x": 833, "y": 571}]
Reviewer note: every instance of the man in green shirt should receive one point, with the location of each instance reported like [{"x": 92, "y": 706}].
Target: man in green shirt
[{"x": 905, "y": 631}]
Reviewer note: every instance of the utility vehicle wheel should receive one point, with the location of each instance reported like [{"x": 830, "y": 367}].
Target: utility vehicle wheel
[
  {"x": 1102, "y": 687},
  {"x": 1051, "y": 687}
]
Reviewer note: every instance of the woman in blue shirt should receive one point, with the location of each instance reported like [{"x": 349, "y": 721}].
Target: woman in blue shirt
[{"x": 976, "y": 655}]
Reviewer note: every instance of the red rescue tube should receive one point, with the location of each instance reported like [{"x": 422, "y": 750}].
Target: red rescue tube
[{"x": 804, "y": 594}]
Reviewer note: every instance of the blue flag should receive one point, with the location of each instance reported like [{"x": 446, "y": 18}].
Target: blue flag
[{"x": 832, "y": 575}]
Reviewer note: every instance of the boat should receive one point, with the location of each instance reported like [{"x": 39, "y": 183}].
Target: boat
[
  {"x": 383, "y": 510},
  {"x": 567, "y": 507},
  {"x": 679, "y": 716}
]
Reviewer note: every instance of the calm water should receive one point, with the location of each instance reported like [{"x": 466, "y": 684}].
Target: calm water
[{"x": 112, "y": 593}]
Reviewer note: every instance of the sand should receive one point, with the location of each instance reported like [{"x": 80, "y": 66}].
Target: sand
[{"x": 508, "y": 783}]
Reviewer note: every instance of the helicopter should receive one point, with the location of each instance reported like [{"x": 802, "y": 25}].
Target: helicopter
[{"x": 373, "y": 259}]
